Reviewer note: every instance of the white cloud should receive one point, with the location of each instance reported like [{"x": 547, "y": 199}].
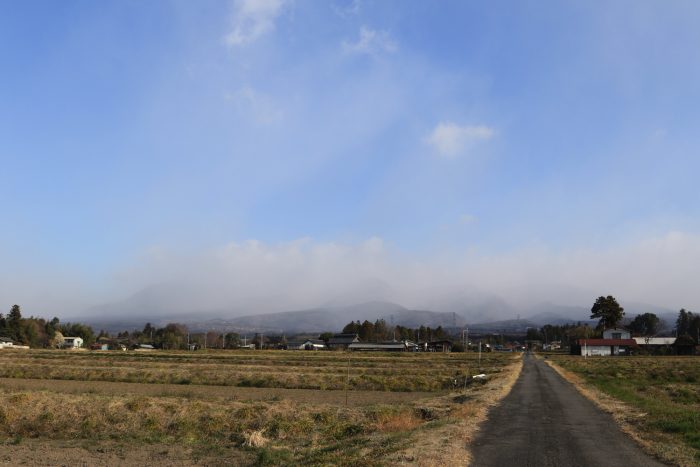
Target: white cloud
[
  {"x": 258, "y": 106},
  {"x": 452, "y": 140},
  {"x": 255, "y": 277},
  {"x": 253, "y": 19},
  {"x": 371, "y": 42}
]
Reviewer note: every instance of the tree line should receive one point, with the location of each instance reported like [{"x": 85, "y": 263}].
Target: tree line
[
  {"x": 380, "y": 331},
  {"x": 38, "y": 332},
  {"x": 610, "y": 314}
]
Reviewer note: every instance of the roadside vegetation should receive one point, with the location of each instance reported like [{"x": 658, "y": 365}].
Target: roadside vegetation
[
  {"x": 271, "y": 431},
  {"x": 661, "y": 397}
]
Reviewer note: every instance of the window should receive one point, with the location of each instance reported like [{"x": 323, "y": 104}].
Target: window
[{"x": 617, "y": 335}]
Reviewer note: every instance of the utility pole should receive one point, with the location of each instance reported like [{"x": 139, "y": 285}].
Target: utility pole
[
  {"x": 347, "y": 382},
  {"x": 479, "y": 357}
]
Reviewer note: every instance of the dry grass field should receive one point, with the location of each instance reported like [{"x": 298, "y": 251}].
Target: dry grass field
[
  {"x": 243, "y": 407},
  {"x": 656, "y": 399}
]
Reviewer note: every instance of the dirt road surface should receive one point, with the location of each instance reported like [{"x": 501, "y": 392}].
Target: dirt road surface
[{"x": 544, "y": 421}]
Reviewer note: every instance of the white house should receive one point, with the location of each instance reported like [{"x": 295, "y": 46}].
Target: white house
[
  {"x": 393, "y": 346},
  {"x": 606, "y": 347},
  {"x": 6, "y": 343},
  {"x": 72, "y": 342},
  {"x": 313, "y": 344},
  {"x": 616, "y": 333}
]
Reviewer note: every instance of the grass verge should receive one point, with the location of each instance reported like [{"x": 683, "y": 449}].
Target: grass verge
[{"x": 655, "y": 400}]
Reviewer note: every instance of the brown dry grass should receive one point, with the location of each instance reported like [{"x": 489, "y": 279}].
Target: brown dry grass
[
  {"x": 448, "y": 443},
  {"x": 255, "y": 439},
  {"x": 405, "y": 420},
  {"x": 394, "y": 428},
  {"x": 109, "y": 388},
  {"x": 283, "y": 369}
]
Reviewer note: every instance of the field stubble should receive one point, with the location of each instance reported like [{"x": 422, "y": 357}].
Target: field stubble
[{"x": 273, "y": 429}]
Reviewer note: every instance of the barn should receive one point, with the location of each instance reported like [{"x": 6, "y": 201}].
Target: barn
[{"x": 606, "y": 347}]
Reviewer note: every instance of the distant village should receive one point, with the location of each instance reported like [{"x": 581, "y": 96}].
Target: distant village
[{"x": 639, "y": 336}]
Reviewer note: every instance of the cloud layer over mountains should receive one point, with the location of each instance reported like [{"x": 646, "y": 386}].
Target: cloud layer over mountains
[{"x": 253, "y": 277}]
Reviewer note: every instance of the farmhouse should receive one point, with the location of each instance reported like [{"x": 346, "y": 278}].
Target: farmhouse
[
  {"x": 313, "y": 344},
  {"x": 6, "y": 343},
  {"x": 393, "y": 346},
  {"x": 439, "y": 346},
  {"x": 615, "y": 341},
  {"x": 308, "y": 344},
  {"x": 606, "y": 347},
  {"x": 342, "y": 341},
  {"x": 616, "y": 333},
  {"x": 72, "y": 342}
]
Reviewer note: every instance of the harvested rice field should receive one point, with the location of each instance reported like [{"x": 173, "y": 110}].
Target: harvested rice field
[{"x": 244, "y": 407}]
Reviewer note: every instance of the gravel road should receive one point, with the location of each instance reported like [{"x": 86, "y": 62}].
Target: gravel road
[{"x": 544, "y": 421}]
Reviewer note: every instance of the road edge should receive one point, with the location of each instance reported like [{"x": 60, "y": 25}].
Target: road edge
[
  {"x": 624, "y": 415},
  {"x": 490, "y": 400},
  {"x": 450, "y": 444}
]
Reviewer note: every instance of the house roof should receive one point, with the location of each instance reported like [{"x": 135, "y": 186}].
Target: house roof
[
  {"x": 655, "y": 340},
  {"x": 343, "y": 339},
  {"x": 627, "y": 342},
  {"x": 374, "y": 346},
  {"x": 314, "y": 341}
]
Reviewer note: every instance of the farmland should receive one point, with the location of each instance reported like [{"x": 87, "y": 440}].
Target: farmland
[
  {"x": 244, "y": 407},
  {"x": 660, "y": 399}
]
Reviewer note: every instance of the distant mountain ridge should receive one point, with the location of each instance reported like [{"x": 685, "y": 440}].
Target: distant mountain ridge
[
  {"x": 164, "y": 303},
  {"x": 335, "y": 318}
]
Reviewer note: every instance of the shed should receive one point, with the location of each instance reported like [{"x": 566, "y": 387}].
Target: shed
[
  {"x": 342, "y": 341},
  {"x": 655, "y": 341},
  {"x": 606, "y": 347},
  {"x": 72, "y": 342},
  {"x": 6, "y": 343},
  {"x": 392, "y": 346},
  {"x": 313, "y": 344},
  {"x": 439, "y": 346}
]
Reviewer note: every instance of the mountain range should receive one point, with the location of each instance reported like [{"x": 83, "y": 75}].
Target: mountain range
[{"x": 166, "y": 303}]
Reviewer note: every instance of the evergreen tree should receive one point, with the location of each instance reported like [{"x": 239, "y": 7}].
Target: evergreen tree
[{"x": 607, "y": 311}]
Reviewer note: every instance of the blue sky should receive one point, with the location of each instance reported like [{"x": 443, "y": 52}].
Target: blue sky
[{"x": 147, "y": 136}]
